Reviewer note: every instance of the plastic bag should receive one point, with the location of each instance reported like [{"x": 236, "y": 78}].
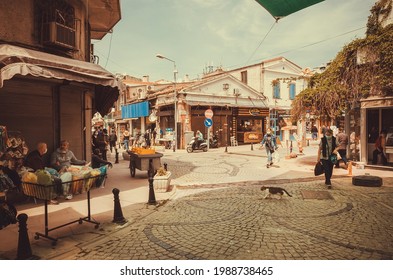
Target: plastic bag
[{"x": 276, "y": 157}]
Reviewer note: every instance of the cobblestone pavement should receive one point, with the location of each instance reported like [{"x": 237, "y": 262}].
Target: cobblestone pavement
[
  {"x": 216, "y": 211},
  {"x": 237, "y": 223}
]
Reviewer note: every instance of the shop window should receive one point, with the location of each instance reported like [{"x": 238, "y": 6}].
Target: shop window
[
  {"x": 276, "y": 90},
  {"x": 292, "y": 91},
  {"x": 244, "y": 77}
]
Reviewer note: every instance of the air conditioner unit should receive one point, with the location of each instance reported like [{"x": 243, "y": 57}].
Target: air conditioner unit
[{"x": 60, "y": 35}]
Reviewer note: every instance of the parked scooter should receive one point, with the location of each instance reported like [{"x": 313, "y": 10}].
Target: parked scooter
[
  {"x": 213, "y": 143},
  {"x": 196, "y": 144}
]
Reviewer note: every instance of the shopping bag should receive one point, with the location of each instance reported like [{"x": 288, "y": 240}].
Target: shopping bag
[
  {"x": 276, "y": 157},
  {"x": 318, "y": 169}
]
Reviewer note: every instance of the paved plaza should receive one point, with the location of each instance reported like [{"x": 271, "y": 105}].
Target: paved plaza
[{"x": 216, "y": 210}]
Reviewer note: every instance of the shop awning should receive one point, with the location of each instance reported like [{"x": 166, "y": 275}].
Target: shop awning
[
  {"x": 135, "y": 110},
  {"x": 21, "y": 61},
  {"x": 281, "y": 8},
  {"x": 103, "y": 16}
]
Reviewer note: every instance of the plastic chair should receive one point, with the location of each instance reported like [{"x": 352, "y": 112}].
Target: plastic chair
[{"x": 233, "y": 141}]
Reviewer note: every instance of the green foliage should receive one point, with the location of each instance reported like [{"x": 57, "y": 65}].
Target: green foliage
[{"x": 346, "y": 80}]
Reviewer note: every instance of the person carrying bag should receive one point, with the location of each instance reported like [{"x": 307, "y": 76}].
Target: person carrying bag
[{"x": 327, "y": 155}]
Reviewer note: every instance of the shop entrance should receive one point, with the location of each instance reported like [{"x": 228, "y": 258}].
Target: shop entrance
[{"x": 377, "y": 120}]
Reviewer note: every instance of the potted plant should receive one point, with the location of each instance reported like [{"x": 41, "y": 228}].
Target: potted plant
[{"x": 162, "y": 180}]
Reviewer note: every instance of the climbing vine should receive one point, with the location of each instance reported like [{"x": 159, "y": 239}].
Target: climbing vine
[{"x": 362, "y": 68}]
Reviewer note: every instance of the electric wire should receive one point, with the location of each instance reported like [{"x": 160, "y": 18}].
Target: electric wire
[
  {"x": 274, "y": 23},
  {"x": 109, "y": 50}
]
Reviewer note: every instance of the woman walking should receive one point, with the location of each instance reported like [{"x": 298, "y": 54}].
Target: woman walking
[{"x": 327, "y": 148}]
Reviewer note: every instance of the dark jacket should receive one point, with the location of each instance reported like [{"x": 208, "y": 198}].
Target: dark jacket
[
  {"x": 97, "y": 161},
  {"x": 34, "y": 160}
]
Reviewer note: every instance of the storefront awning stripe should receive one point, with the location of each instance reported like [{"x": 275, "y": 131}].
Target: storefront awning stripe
[
  {"x": 21, "y": 61},
  {"x": 135, "y": 110}
]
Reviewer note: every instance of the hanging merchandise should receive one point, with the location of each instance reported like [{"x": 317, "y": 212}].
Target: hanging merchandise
[{"x": 3, "y": 139}]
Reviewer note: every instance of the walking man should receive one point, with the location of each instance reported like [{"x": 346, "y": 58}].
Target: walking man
[
  {"x": 269, "y": 141},
  {"x": 342, "y": 143}
]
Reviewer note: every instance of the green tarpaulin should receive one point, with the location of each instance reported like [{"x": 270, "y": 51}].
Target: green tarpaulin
[{"x": 281, "y": 8}]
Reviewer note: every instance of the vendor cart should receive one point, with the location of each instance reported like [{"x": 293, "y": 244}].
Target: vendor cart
[
  {"x": 144, "y": 161},
  {"x": 48, "y": 192}
]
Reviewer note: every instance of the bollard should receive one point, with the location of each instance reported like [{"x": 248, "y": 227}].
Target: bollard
[
  {"x": 24, "y": 248},
  {"x": 116, "y": 156},
  {"x": 152, "y": 196},
  {"x": 117, "y": 213},
  {"x": 226, "y": 148},
  {"x": 252, "y": 147},
  {"x": 166, "y": 166}
]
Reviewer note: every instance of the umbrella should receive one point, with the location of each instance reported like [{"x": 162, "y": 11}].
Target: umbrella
[{"x": 282, "y": 8}]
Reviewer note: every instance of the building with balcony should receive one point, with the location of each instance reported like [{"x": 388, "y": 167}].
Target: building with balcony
[{"x": 50, "y": 86}]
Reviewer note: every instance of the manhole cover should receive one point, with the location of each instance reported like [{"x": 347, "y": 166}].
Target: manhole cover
[{"x": 316, "y": 194}]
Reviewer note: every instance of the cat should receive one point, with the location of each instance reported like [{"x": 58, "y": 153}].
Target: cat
[{"x": 274, "y": 190}]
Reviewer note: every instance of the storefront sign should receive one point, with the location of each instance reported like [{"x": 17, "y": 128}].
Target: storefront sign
[{"x": 254, "y": 112}]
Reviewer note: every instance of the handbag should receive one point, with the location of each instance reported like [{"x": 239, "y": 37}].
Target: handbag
[
  {"x": 318, "y": 169},
  {"x": 333, "y": 158}
]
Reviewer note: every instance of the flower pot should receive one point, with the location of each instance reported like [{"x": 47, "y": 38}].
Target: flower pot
[{"x": 162, "y": 183}]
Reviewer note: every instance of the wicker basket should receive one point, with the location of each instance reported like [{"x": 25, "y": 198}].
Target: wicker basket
[{"x": 39, "y": 191}]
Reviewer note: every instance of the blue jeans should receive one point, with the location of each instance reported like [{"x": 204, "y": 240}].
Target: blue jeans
[
  {"x": 126, "y": 145},
  {"x": 269, "y": 155}
]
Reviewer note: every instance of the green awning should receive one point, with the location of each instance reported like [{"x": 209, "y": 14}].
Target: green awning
[{"x": 281, "y": 8}]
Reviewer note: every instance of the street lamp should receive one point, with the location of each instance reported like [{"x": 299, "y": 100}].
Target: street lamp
[{"x": 174, "y": 98}]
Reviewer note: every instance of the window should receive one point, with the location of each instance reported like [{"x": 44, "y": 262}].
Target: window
[
  {"x": 244, "y": 76},
  {"x": 56, "y": 24},
  {"x": 276, "y": 89},
  {"x": 292, "y": 91}
]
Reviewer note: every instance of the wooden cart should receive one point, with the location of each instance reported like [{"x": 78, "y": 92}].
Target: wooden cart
[{"x": 143, "y": 162}]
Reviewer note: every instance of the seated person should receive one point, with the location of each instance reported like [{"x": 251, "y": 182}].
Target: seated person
[
  {"x": 97, "y": 161},
  {"x": 63, "y": 158},
  {"x": 380, "y": 148},
  {"x": 34, "y": 159}
]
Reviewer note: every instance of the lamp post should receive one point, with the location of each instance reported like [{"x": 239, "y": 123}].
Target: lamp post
[{"x": 174, "y": 97}]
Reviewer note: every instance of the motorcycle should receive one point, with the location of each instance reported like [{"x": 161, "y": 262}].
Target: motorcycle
[
  {"x": 196, "y": 144},
  {"x": 213, "y": 143}
]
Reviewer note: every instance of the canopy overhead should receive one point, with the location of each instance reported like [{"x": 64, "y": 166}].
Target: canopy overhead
[
  {"x": 282, "y": 8},
  {"x": 20, "y": 61},
  {"x": 103, "y": 16}
]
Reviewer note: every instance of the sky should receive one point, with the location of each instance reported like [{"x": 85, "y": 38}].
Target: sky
[{"x": 224, "y": 33}]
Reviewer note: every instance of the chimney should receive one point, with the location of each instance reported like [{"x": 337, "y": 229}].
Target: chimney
[
  {"x": 145, "y": 78},
  {"x": 186, "y": 78}
]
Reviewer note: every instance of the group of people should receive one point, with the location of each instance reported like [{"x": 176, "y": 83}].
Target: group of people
[
  {"x": 337, "y": 145},
  {"x": 139, "y": 139},
  {"x": 103, "y": 141},
  {"x": 61, "y": 160}
]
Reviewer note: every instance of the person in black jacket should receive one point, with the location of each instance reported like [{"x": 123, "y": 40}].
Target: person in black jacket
[
  {"x": 327, "y": 147},
  {"x": 97, "y": 161},
  {"x": 35, "y": 159},
  {"x": 112, "y": 140}
]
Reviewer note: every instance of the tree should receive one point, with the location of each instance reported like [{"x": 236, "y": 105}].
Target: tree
[{"x": 362, "y": 68}]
